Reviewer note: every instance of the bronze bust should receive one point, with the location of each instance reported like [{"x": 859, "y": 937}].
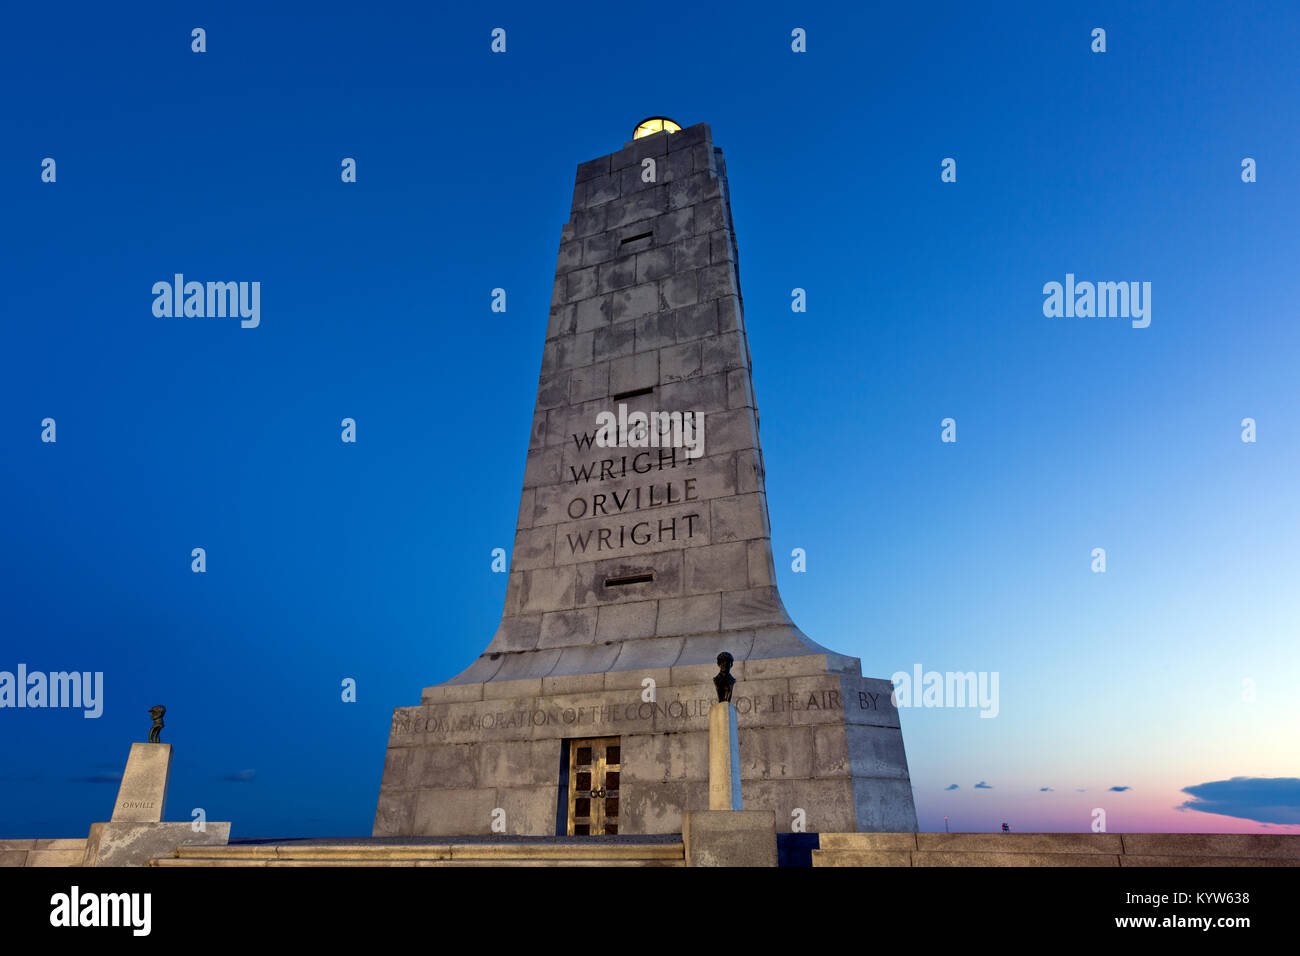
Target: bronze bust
[
  {"x": 157, "y": 714},
  {"x": 723, "y": 680}
]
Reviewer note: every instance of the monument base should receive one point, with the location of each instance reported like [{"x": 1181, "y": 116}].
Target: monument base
[
  {"x": 730, "y": 838},
  {"x": 135, "y": 844},
  {"x": 819, "y": 746}
]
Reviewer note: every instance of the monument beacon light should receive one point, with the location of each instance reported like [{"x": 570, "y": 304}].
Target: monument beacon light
[{"x": 655, "y": 124}]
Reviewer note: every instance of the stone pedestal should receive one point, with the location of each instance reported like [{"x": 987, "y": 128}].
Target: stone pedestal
[
  {"x": 725, "y": 834},
  {"x": 135, "y": 844},
  {"x": 135, "y": 834},
  {"x": 143, "y": 793},
  {"x": 730, "y": 838},
  {"x": 724, "y": 758}
]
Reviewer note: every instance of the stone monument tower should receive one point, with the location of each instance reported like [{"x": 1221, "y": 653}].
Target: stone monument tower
[{"x": 638, "y": 561}]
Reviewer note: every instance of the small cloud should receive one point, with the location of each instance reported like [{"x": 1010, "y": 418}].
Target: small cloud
[
  {"x": 107, "y": 777},
  {"x": 1119, "y": 789},
  {"x": 1046, "y": 790},
  {"x": 982, "y": 786},
  {"x": 240, "y": 776},
  {"x": 1082, "y": 790},
  {"x": 952, "y": 786},
  {"x": 1262, "y": 799}
]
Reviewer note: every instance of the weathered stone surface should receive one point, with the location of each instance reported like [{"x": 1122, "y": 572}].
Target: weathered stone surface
[
  {"x": 593, "y": 168},
  {"x": 784, "y": 753},
  {"x": 42, "y": 852},
  {"x": 654, "y": 264},
  {"x": 880, "y": 805},
  {"x": 618, "y": 274},
  {"x": 695, "y": 321},
  {"x": 615, "y": 341},
  {"x": 564, "y": 628},
  {"x": 826, "y": 804},
  {"x": 868, "y": 841},
  {"x": 579, "y": 683},
  {"x": 680, "y": 362},
  {"x": 447, "y": 811},
  {"x": 680, "y": 289},
  {"x": 1182, "y": 859},
  {"x": 1020, "y": 842},
  {"x": 654, "y": 331},
  {"x": 689, "y": 615},
  {"x": 660, "y": 758},
  {"x": 630, "y": 373},
  {"x": 143, "y": 791},
  {"x": 626, "y": 622},
  {"x": 55, "y": 857},
  {"x": 528, "y": 810},
  {"x": 717, "y": 568},
  {"x": 135, "y": 844},
  {"x": 703, "y": 649},
  {"x": 730, "y": 838},
  {"x": 862, "y": 858},
  {"x": 661, "y": 808}
]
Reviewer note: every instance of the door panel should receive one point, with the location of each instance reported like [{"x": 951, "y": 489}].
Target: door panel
[{"x": 594, "y": 768}]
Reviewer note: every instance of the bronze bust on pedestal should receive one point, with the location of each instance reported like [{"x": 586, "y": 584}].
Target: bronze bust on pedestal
[
  {"x": 157, "y": 714},
  {"x": 723, "y": 681}
]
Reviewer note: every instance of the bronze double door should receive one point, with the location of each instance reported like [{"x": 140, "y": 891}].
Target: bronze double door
[{"x": 594, "y": 766}]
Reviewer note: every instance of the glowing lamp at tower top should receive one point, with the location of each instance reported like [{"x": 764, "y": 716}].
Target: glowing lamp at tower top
[{"x": 655, "y": 124}]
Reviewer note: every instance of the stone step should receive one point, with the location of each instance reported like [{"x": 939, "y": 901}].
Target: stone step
[
  {"x": 862, "y": 857},
  {"x": 463, "y": 851},
  {"x": 1057, "y": 849},
  {"x": 42, "y": 852},
  {"x": 1255, "y": 845},
  {"x": 1103, "y": 843},
  {"x": 200, "y": 861},
  {"x": 943, "y": 858},
  {"x": 1184, "y": 859},
  {"x": 868, "y": 841},
  {"x": 424, "y": 854},
  {"x": 987, "y": 858}
]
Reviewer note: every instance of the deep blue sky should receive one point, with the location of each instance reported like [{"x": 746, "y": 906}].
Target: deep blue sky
[{"x": 372, "y": 560}]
